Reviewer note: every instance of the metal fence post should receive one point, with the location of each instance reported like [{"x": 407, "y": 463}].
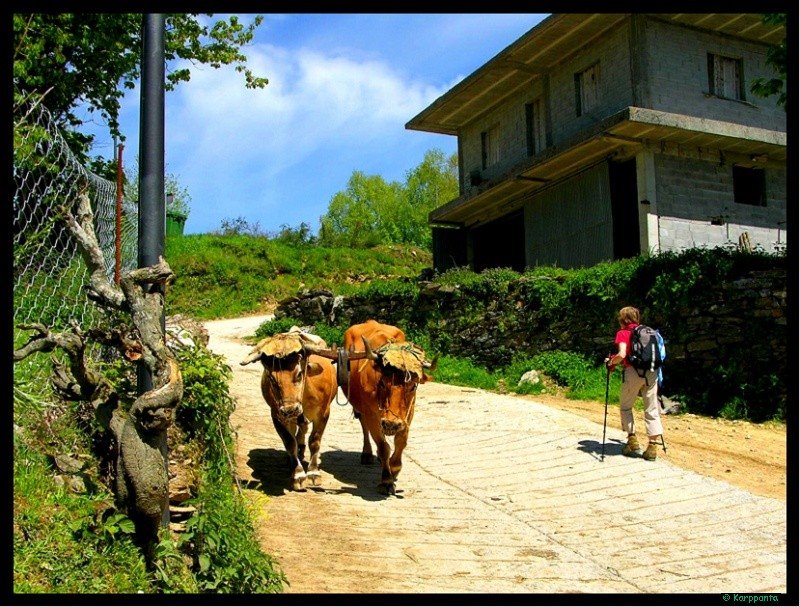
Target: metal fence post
[{"x": 151, "y": 173}]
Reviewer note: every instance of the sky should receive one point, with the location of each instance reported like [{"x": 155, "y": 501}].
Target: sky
[{"x": 341, "y": 89}]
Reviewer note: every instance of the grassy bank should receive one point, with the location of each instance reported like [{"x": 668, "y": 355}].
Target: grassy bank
[{"x": 229, "y": 276}]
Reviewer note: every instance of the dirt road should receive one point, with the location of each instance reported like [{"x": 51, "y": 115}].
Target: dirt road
[{"x": 498, "y": 494}]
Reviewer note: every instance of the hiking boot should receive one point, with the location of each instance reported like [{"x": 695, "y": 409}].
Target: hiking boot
[
  {"x": 650, "y": 452},
  {"x": 632, "y": 448}
]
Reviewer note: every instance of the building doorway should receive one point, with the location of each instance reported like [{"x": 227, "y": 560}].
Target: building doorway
[
  {"x": 500, "y": 243},
  {"x": 624, "y": 208}
]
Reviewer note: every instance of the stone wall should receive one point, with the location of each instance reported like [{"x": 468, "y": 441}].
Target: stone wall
[
  {"x": 738, "y": 323},
  {"x": 718, "y": 319}
]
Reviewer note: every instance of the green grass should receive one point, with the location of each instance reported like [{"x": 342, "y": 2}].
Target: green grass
[
  {"x": 229, "y": 276},
  {"x": 63, "y": 542},
  {"x": 229, "y": 557},
  {"x": 564, "y": 373},
  {"x": 462, "y": 372},
  {"x": 80, "y": 543}
]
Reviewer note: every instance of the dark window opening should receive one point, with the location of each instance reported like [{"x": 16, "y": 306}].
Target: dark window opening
[
  {"x": 529, "y": 127},
  {"x": 490, "y": 147},
  {"x": 725, "y": 77},
  {"x": 749, "y": 186},
  {"x": 587, "y": 89},
  {"x": 534, "y": 127}
]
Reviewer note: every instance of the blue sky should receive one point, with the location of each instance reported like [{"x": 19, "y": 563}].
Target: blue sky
[{"x": 342, "y": 87}]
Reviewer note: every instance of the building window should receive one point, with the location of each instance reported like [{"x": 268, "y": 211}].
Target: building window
[
  {"x": 490, "y": 147},
  {"x": 725, "y": 77},
  {"x": 749, "y": 186},
  {"x": 586, "y": 89},
  {"x": 534, "y": 127}
]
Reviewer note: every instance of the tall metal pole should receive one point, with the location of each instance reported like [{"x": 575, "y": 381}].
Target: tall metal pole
[
  {"x": 152, "y": 216},
  {"x": 151, "y": 143}
]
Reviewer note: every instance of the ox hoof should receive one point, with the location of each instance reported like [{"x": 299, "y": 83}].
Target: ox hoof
[
  {"x": 367, "y": 459},
  {"x": 386, "y": 488},
  {"x": 315, "y": 477},
  {"x": 297, "y": 481}
]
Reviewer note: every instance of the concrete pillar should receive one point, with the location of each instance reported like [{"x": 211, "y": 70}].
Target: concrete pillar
[{"x": 649, "y": 236}]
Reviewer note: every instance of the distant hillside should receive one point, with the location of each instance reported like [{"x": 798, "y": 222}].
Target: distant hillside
[{"x": 228, "y": 276}]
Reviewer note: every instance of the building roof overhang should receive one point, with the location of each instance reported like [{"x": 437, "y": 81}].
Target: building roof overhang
[
  {"x": 543, "y": 47},
  {"x": 618, "y": 137}
]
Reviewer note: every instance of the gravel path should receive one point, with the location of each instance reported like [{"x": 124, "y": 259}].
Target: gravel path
[{"x": 497, "y": 495}]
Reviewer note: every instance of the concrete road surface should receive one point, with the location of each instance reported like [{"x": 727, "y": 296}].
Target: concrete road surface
[{"x": 498, "y": 494}]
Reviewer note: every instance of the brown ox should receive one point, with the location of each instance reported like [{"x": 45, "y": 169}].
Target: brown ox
[
  {"x": 298, "y": 383},
  {"x": 383, "y": 390}
]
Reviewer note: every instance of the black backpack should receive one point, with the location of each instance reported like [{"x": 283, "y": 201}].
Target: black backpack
[{"x": 647, "y": 349}]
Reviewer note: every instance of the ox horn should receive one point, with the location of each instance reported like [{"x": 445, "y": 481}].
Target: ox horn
[
  {"x": 369, "y": 353},
  {"x": 430, "y": 365},
  {"x": 252, "y": 357},
  {"x": 331, "y": 353}
]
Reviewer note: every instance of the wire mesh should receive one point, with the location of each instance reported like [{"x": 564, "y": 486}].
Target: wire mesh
[{"x": 49, "y": 272}]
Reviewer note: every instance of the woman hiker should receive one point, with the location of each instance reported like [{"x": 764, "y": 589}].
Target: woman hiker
[{"x": 634, "y": 385}]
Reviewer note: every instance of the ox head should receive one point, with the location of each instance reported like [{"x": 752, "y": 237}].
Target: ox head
[
  {"x": 284, "y": 357},
  {"x": 399, "y": 369}
]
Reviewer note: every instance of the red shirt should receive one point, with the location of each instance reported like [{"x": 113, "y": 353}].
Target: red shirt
[{"x": 624, "y": 336}]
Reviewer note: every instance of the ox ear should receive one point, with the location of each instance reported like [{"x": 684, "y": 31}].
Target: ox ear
[
  {"x": 425, "y": 378},
  {"x": 313, "y": 369}
]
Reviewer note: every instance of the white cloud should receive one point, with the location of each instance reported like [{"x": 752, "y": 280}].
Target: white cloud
[
  {"x": 311, "y": 100},
  {"x": 314, "y": 106}
]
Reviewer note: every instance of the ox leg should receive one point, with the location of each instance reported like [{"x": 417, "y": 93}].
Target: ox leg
[
  {"x": 386, "y": 485},
  {"x": 290, "y": 444},
  {"x": 396, "y": 461},
  {"x": 302, "y": 430},
  {"x": 314, "y": 443},
  {"x": 366, "y": 450}
]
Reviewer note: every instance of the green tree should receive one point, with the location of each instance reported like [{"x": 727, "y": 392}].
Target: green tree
[
  {"x": 776, "y": 57},
  {"x": 371, "y": 211},
  {"x": 428, "y": 186},
  {"x": 357, "y": 217},
  {"x": 179, "y": 202},
  {"x": 71, "y": 59}
]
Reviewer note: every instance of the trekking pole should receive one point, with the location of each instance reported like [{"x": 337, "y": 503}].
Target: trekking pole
[{"x": 605, "y": 416}]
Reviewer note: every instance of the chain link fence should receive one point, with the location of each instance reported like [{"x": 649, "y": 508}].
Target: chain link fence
[{"x": 49, "y": 272}]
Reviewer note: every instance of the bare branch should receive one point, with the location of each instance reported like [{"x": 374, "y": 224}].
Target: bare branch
[{"x": 82, "y": 229}]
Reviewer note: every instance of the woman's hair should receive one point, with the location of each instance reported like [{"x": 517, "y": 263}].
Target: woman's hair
[{"x": 627, "y": 315}]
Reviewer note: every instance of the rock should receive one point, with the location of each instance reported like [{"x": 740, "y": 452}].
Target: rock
[
  {"x": 669, "y": 406},
  {"x": 185, "y": 332},
  {"x": 181, "y": 512},
  {"x": 530, "y": 377},
  {"x": 179, "y": 491},
  {"x": 68, "y": 464},
  {"x": 71, "y": 482}
]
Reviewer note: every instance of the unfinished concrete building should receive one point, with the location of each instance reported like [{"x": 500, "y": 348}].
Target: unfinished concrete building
[{"x": 596, "y": 137}]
